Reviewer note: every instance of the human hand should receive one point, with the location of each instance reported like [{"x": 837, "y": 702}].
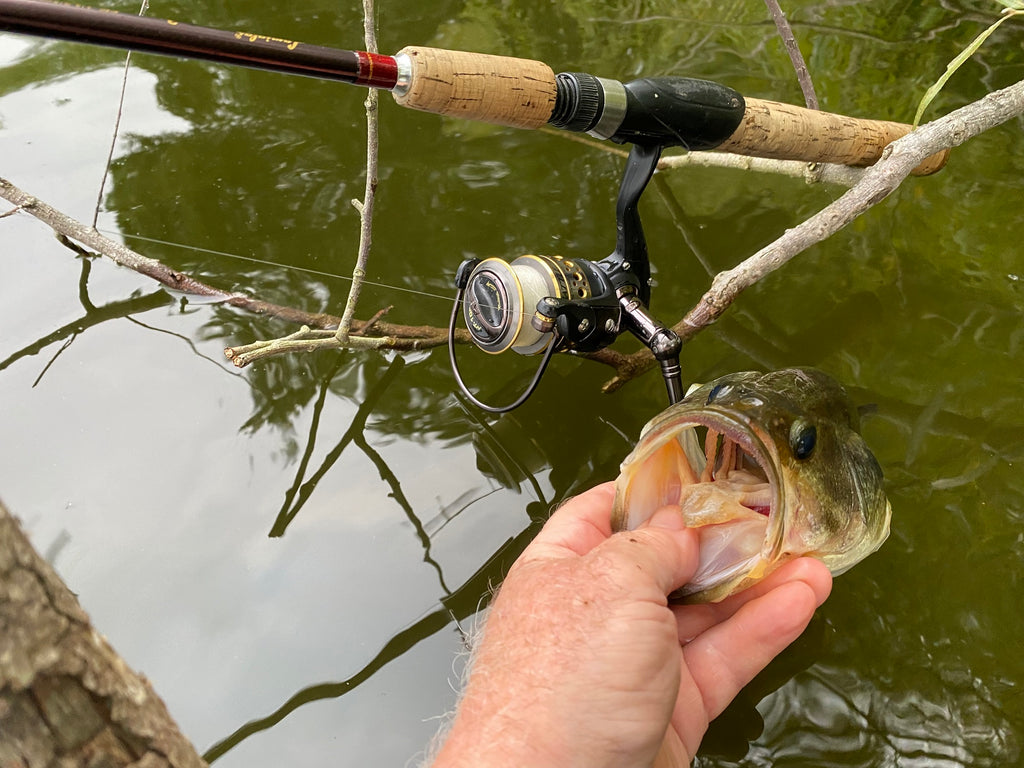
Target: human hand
[{"x": 582, "y": 661}]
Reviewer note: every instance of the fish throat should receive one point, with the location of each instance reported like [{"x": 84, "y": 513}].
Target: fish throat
[{"x": 736, "y": 473}]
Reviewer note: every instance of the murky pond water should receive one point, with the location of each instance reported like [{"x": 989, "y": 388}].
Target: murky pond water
[{"x": 287, "y": 551}]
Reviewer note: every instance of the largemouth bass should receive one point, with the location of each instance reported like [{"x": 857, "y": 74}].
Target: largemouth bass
[{"x": 768, "y": 467}]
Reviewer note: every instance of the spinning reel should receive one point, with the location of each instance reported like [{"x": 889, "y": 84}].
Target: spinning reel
[{"x": 546, "y": 304}]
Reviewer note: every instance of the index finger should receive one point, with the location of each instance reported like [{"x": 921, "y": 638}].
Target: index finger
[
  {"x": 694, "y": 619},
  {"x": 723, "y": 659}
]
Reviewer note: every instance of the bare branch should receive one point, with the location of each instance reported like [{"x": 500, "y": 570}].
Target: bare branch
[
  {"x": 877, "y": 182},
  {"x": 812, "y": 173},
  {"x": 398, "y": 337},
  {"x": 873, "y": 185},
  {"x": 120, "y": 254}
]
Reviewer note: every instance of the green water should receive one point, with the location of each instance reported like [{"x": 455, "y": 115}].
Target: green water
[{"x": 287, "y": 552}]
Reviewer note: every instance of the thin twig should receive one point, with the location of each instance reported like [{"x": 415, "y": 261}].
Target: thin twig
[
  {"x": 803, "y": 76},
  {"x": 365, "y": 207},
  {"x": 407, "y": 339},
  {"x": 303, "y": 340},
  {"x": 377, "y": 316}
]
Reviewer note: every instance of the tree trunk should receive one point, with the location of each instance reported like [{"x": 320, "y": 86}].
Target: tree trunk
[{"x": 66, "y": 698}]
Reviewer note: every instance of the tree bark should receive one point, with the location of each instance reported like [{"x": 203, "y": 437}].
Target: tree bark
[{"x": 66, "y": 698}]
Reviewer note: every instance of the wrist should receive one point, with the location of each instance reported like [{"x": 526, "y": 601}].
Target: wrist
[{"x": 492, "y": 738}]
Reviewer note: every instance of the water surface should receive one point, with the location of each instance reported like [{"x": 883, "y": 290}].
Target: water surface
[{"x": 288, "y": 551}]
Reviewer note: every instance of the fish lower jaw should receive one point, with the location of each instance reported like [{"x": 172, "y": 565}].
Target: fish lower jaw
[
  {"x": 730, "y": 553},
  {"x": 710, "y": 588}
]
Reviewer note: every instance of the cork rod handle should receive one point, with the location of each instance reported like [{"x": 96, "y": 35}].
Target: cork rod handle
[
  {"x": 477, "y": 86},
  {"x": 522, "y": 93},
  {"x": 786, "y": 132}
]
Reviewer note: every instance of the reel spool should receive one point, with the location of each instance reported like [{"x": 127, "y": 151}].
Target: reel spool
[
  {"x": 510, "y": 305},
  {"x": 530, "y": 305}
]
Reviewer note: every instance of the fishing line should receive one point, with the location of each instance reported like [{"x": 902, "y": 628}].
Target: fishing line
[
  {"x": 106, "y": 172},
  {"x": 265, "y": 262}
]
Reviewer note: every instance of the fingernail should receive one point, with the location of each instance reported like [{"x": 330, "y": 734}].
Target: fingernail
[{"x": 667, "y": 518}]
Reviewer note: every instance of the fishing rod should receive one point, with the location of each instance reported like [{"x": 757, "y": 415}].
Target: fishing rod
[
  {"x": 532, "y": 304},
  {"x": 672, "y": 111}
]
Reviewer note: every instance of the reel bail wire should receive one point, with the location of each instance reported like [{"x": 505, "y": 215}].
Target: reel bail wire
[{"x": 553, "y": 342}]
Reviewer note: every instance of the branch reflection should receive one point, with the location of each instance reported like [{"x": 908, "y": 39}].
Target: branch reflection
[
  {"x": 465, "y": 601},
  {"x": 303, "y": 488}
]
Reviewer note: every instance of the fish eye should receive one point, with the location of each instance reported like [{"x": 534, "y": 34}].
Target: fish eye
[
  {"x": 715, "y": 392},
  {"x": 802, "y": 438}
]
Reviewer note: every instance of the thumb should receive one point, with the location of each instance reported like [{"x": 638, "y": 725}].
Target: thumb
[{"x": 663, "y": 551}]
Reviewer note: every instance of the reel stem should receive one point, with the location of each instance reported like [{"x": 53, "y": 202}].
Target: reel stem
[{"x": 663, "y": 342}]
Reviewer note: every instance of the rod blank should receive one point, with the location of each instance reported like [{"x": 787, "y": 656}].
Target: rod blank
[{"x": 172, "y": 38}]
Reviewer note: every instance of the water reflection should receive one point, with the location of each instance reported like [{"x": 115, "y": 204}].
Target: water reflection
[
  {"x": 394, "y": 506},
  {"x": 303, "y": 487},
  {"x": 93, "y": 316},
  {"x": 830, "y": 716},
  {"x": 460, "y": 604}
]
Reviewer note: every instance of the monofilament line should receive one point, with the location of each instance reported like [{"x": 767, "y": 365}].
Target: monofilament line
[{"x": 265, "y": 262}]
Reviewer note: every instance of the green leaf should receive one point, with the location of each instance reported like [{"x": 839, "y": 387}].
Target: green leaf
[{"x": 954, "y": 65}]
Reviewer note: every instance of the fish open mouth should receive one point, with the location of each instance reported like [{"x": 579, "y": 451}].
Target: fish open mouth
[{"x": 719, "y": 473}]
